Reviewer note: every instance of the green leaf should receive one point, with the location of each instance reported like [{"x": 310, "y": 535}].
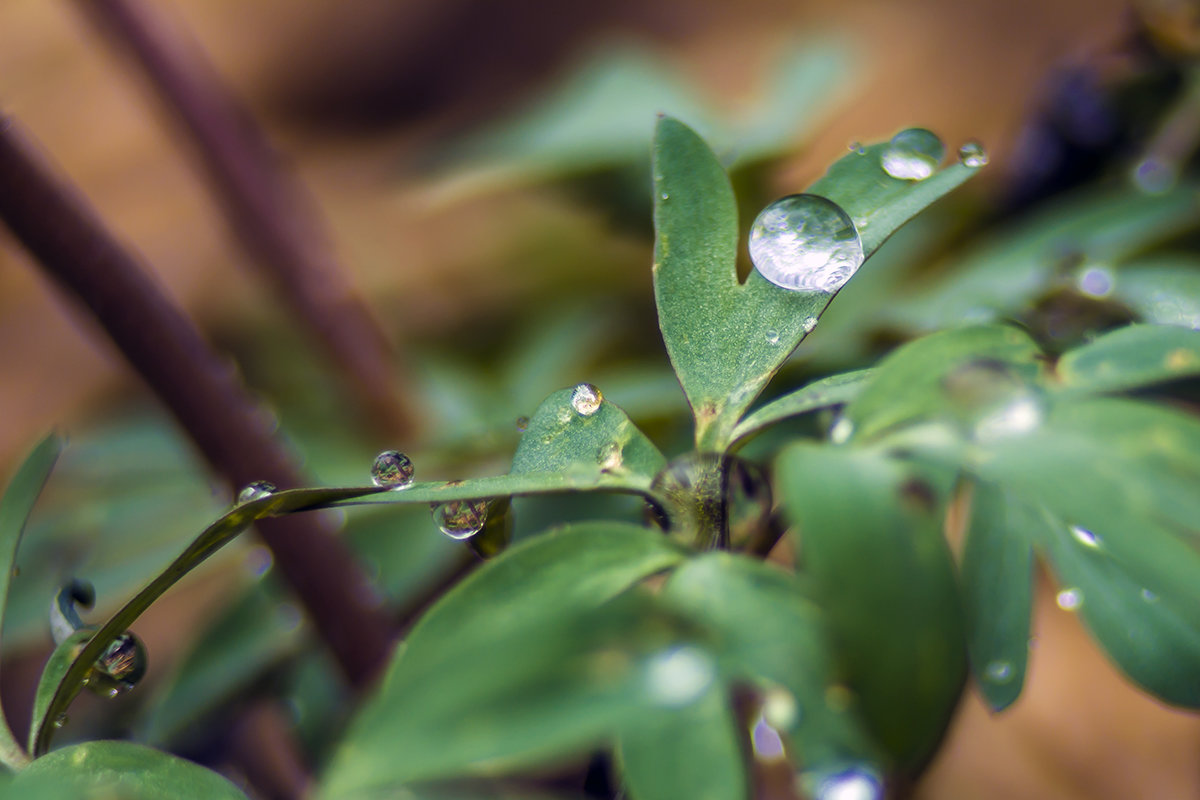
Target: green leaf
[
  {"x": 1132, "y": 357},
  {"x": 18, "y": 500},
  {"x": 1154, "y": 639},
  {"x": 1163, "y": 289},
  {"x": 726, "y": 340},
  {"x": 542, "y": 686},
  {"x": 870, "y": 537},
  {"x": 910, "y": 384},
  {"x": 997, "y": 588},
  {"x": 693, "y": 752},
  {"x": 772, "y": 633},
  {"x": 831, "y": 391},
  {"x": 52, "y": 675},
  {"x": 520, "y": 629},
  {"x": 95, "y": 770}
]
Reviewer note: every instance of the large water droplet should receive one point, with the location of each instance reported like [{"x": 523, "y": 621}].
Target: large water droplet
[
  {"x": 119, "y": 668},
  {"x": 256, "y": 491},
  {"x": 392, "y": 469},
  {"x": 1069, "y": 599},
  {"x": 679, "y": 676},
  {"x": 973, "y": 155},
  {"x": 586, "y": 399},
  {"x": 998, "y": 671},
  {"x": 913, "y": 154},
  {"x": 1085, "y": 537},
  {"x": 851, "y": 784},
  {"x": 806, "y": 243},
  {"x": 460, "y": 519}
]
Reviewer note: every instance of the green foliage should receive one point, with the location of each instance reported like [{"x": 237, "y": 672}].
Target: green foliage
[{"x": 675, "y": 653}]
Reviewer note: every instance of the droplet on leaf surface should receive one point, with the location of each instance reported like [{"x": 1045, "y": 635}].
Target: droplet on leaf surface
[
  {"x": 998, "y": 671},
  {"x": 1085, "y": 537},
  {"x": 806, "y": 243},
  {"x": 586, "y": 399},
  {"x": 972, "y": 155},
  {"x": 392, "y": 469},
  {"x": 1069, "y": 599},
  {"x": 256, "y": 491},
  {"x": 913, "y": 154},
  {"x": 460, "y": 519}
]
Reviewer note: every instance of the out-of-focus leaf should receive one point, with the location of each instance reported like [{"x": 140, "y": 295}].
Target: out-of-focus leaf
[
  {"x": 1132, "y": 357},
  {"x": 831, "y": 391},
  {"x": 692, "y": 752},
  {"x": 997, "y": 588},
  {"x": 541, "y": 686},
  {"x": 727, "y": 339},
  {"x": 910, "y": 384},
  {"x": 118, "y": 770},
  {"x": 1162, "y": 289},
  {"x": 870, "y": 537}
]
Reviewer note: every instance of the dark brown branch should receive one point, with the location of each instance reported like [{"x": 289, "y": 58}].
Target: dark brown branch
[
  {"x": 56, "y": 224},
  {"x": 264, "y": 748},
  {"x": 277, "y": 223}
]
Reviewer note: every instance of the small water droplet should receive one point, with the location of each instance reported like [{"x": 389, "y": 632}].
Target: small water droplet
[
  {"x": 392, "y": 469},
  {"x": 1085, "y": 537},
  {"x": 586, "y": 399},
  {"x": 766, "y": 741},
  {"x": 256, "y": 491},
  {"x": 522, "y": 424},
  {"x": 679, "y": 676},
  {"x": 807, "y": 243},
  {"x": 841, "y": 431},
  {"x": 460, "y": 519},
  {"x": 609, "y": 456},
  {"x": 998, "y": 671},
  {"x": 913, "y": 154},
  {"x": 60, "y": 720},
  {"x": 1149, "y": 596},
  {"x": 808, "y": 324},
  {"x": 772, "y": 337},
  {"x": 851, "y": 784},
  {"x": 1155, "y": 176},
  {"x": 1069, "y": 599},
  {"x": 665, "y": 196},
  {"x": 780, "y": 709},
  {"x": 973, "y": 155},
  {"x": 856, "y": 148},
  {"x": 1095, "y": 281}
]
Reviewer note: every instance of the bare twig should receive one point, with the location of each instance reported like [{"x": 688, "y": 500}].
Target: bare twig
[
  {"x": 56, "y": 224},
  {"x": 269, "y": 211}
]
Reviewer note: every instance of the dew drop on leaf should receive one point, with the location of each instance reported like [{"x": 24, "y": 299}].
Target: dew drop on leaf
[
  {"x": 1149, "y": 596},
  {"x": 780, "y": 709},
  {"x": 809, "y": 323},
  {"x": 851, "y": 784},
  {"x": 60, "y": 721},
  {"x": 392, "y": 469},
  {"x": 1085, "y": 537},
  {"x": 1069, "y": 599},
  {"x": 856, "y": 148},
  {"x": 460, "y": 519},
  {"x": 609, "y": 456},
  {"x": 998, "y": 671},
  {"x": 120, "y": 667},
  {"x": 806, "y": 243},
  {"x": 1095, "y": 281},
  {"x": 841, "y": 431},
  {"x": 772, "y": 337},
  {"x": 256, "y": 491},
  {"x": 913, "y": 154},
  {"x": 972, "y": 155},
  {"x": 679, "y": 676},
  {"x": 586, "y": 399}
]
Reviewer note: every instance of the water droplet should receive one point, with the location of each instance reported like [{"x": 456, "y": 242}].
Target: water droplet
[
  {"x": 1155, "y": 176},
  {"x": 1019, "y": 417},
  {"x": 665, "y": 196},
  {"x": 1069, "y": 599},
  {"x": 780, "y": 709},
  {"x": 1085, "y": 537},
  {"x": 392, "y": 469},
  {"x": 766, "y": 741},
  {"x": 1095, "y": 281},
  {"x": 60, "y": 720},
  {"x": 973, "y": 155},
  {"x": 856, "y": 148},
  {"x": 806, "y": 243},
  {"x": 609, "y": 456},
  {"x": 586, "y": 399},
  {"x": 1149, "y": 596},
  {"x": 851, "y": 784},
  {"x": 808, "y": 324},
  {"x": 522, "y": 424},
  {"x": 913, "y": 154},
  {"x": 679, "y": 675},
  {"x": 256, "y": 491},
  {"x": 841, "y": 431},
  {"x": 998, "y": 671},
  {"x": 460, "y": 519},
  {"x": 772, "y": 337}
]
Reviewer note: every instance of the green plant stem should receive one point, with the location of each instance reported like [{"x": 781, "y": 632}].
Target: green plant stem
[
  {"x": 270, "y": 213},
  {"x": 54, "y": 222}
]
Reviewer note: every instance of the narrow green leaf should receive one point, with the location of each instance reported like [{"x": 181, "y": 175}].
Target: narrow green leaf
[
  {"x": 539, "y": 687},
  {"x": 18, "y": 500},
  {"x": 1162, "y": 288},
  {"x": 831, "y": 391},
  {"x": 693, "y": 752},
  {"x": 1132, "y": 357},
  {"x": 997, "y": 588},
  {"x": 910, "y": 384},
  {"x": 870, "y": 537},
  {"x": 118, "y": 770},
  {"x": 52, "y": 675}
]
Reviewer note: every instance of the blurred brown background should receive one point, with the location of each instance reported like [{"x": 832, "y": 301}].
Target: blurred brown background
[{"x": 354, "y": 93}]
